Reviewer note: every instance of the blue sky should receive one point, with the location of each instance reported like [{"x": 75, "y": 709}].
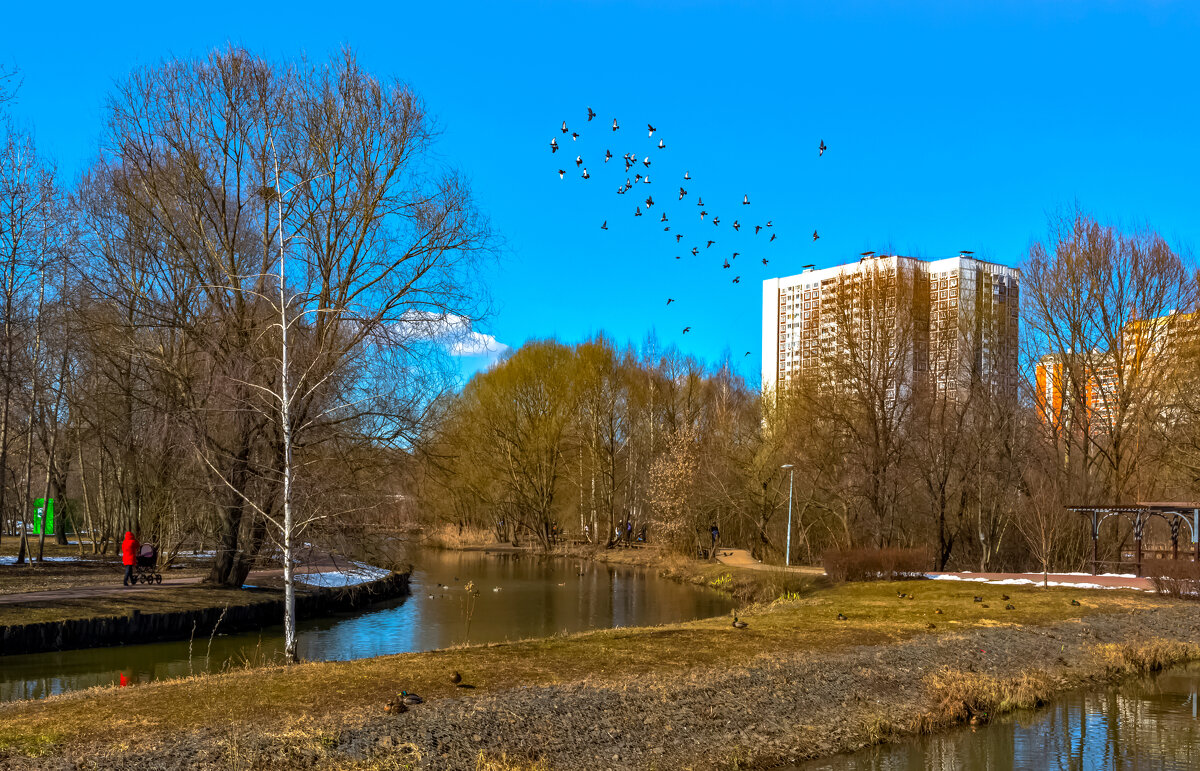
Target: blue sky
[{"x": 950, "y": 126}]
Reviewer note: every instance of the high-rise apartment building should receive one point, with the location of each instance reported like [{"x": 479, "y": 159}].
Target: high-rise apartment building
[
  {"x": 1150, "y": 358},
  {"x": 941, "y": 323}
]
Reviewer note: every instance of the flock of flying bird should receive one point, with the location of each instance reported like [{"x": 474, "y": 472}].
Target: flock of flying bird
[{"x": 642, "y": 177}]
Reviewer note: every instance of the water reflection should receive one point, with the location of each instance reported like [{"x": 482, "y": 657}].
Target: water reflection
[
  {"x": 519, "y": 596},
  {"x": 1144, "y": 724}
]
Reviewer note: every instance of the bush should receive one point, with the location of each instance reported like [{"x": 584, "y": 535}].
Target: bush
[
  {"x": 1174, "y": 578},
  {"x": 891, "y": 564}
]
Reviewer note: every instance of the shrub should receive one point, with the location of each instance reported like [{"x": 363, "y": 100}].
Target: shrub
[
  {"x": 1174, "y": 578},
  {"x": 891, "y": 564}
]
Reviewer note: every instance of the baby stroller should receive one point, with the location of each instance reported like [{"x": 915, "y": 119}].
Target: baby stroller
[{"x": 146, "y": 569}]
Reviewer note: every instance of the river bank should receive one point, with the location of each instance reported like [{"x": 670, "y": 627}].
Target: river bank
[
  {"x": 797, "y": 683},
  {"x": 175, "y": 613}
]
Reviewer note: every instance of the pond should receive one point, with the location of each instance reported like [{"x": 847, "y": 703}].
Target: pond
[
  {"x": 1149, "y": 723},
  {"x": 520, "y": 596}
]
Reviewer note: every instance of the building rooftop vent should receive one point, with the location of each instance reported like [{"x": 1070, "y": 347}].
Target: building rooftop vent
[
  {"x": 807, "y": 268},
  {"x": 965, "y": 253}
]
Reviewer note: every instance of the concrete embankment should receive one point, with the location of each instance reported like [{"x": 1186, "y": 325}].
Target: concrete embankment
[{"x": 180, "y": 625}]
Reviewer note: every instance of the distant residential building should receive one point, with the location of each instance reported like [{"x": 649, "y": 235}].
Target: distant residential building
[
  {"x": 941, "y": 323},
  {"x": 1155, "y": 357}
]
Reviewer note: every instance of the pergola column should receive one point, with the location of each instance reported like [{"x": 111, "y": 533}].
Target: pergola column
[
  {"x": 1138, "y": 523},
  {"x": 1096, "y": 545}
]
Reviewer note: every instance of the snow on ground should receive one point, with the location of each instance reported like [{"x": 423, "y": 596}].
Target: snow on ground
[
  {"x": 356, "y": 573},
  {"x": 13, "y": 559},
  {"x": 1028, "y": 581}
]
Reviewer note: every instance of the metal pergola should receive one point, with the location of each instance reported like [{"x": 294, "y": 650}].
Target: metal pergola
[{"x": 1175, "y": 515}]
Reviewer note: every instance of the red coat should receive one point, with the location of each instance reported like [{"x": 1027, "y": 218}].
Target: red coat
[{"x": 129, "y": 550}]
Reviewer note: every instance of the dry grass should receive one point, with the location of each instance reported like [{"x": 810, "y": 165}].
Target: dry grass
[
  {"x": 330, "y": 692},
  {"x": 957, "y": 696},
  {"x": 451, "y": 537}
]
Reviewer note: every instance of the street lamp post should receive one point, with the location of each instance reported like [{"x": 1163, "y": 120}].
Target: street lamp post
[{"x": 787, "y": 559}]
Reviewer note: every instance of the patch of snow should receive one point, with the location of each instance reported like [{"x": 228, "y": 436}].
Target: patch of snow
[
  {"x": 1027, "y": 582},
  {"x": 357, "y": 573},
  {"x": 13, "y": 559}
]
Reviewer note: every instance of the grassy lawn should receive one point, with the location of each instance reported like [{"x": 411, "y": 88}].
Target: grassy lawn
[{"x": 274, "y": 697}]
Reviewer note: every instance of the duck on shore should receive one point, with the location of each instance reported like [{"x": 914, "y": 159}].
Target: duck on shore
[{"x": 739, "y": 624}]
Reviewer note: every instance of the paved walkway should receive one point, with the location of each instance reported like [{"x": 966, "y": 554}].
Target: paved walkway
[{"x": 86, "y": 592}]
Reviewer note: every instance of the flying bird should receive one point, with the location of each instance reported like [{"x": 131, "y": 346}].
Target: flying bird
[
  {"x": 768, "y": 223},
  {"x": 646, "y": 180},
  {"x": 578, "y": 160},
  {"x": 564, "y": 127},
  {"x": 561, "y": 173},
  {"x": 662, "y": 145},
  {"x": 664, "y": 217},
  {"x": 553, "y": 145},
  {"x": 607, "y": 155},
  {"x": 615, "y": 126},
  {"x": 638, "y": 213},
  {"x": 621, "y": 190},
  {"x": 627, "y": 164},
  {"x": 686, "y": 330},
  {"x": 735, "y": 255},
  {"x": 574, "y": 136},
  {"x": 737, "y": 279},
  {"x": 736, "y": 226},
  {"x": 668, "y": 227},
  {"x": 682, "y": 193},
  {"x": 636, "y": 178},
  {"x": 764, "y": 260},
  {"x": 646, "y": 162},
  {"x": 772, "y": 238},
  {"x": 695, "y": 250},
  {"x": 652, "y": 130},
  {"x": 670, "y": 299},
  {"x": 700, "y": 200},
  {"x": 585, "y": 175},
  {"x": 710, "y": 243},
  {"x": 590, "y": 114},
  {"x": 649, "y": 201},
  {"x": 815, "y": 236},
  {"x": 702, "y": 213},
  {"x": 757, "y": 228},
  {"x": 686, "y": 175},
  {"x": 605, "y": 225},
  {"x": 745, "y": 200},
  {"x": 821, "y": 150},
  {"x": 726, "y": 265},
  {"x": 716, "y": 220},
  {"x": 747, "y": 353},
  {"x": 678, "y": 236}
]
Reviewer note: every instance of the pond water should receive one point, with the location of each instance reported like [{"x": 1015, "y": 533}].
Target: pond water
[
  {"x": 519, "y": 596},
  {"x": 1149, "y": 723}
]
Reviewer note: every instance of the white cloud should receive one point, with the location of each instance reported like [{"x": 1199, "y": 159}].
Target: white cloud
[{"x": 452, "y": 331}]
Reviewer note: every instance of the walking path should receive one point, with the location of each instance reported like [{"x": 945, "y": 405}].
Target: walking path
[
  {"x": 741, "y": 558},
  {"x": 86, "y": 592}
]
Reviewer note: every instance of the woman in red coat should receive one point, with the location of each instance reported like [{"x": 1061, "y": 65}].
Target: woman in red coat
[{"x": 129, "y": 550}]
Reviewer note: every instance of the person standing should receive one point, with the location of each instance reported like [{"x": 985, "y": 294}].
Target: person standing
[{"x": 129, "y": 552}]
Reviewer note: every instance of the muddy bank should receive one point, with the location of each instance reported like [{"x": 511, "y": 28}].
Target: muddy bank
[
  {"x": 180, "y": 625},
  {"x": 777, "y": 710}
]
